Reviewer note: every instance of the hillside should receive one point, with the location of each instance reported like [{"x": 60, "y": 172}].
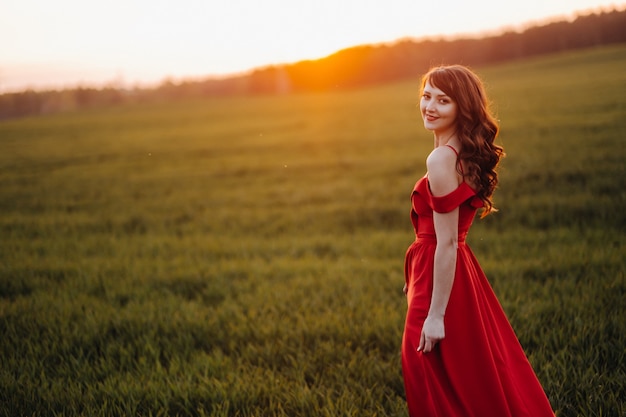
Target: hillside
[
  {"x": 347, "y": 69},
  {"x": 369, "y": 64}
]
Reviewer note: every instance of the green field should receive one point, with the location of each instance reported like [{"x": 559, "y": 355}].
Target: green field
[{"x": 244, "y": 256}]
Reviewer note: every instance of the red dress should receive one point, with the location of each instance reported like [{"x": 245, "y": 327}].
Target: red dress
[{"x": 479, "y": 369}]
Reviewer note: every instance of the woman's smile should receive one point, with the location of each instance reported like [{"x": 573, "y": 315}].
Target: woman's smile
[{"x": 439, "y": 111}]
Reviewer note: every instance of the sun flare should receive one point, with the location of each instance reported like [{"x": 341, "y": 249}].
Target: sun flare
[{"x": 72, "y": 42}]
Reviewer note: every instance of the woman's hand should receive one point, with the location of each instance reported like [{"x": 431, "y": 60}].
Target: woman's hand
[{"x": 433, "y": 331}]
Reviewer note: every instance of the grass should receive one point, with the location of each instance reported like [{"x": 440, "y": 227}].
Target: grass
[{"x": 243, "y": 256}]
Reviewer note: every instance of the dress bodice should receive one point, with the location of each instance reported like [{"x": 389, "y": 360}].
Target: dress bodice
[{"x": 423, "y": 204}]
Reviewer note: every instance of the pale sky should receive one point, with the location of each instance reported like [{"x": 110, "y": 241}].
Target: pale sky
[{"x": 65, "y": 43}]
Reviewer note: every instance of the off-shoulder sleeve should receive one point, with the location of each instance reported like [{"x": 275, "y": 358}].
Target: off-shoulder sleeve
[{"x": 449, "y": 202}]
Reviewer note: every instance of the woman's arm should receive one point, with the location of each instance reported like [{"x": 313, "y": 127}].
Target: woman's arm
[{"x": 443, "y": 179}]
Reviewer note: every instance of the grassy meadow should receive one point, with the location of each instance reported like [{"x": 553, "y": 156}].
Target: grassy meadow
[{"x": 244, "y": 256}]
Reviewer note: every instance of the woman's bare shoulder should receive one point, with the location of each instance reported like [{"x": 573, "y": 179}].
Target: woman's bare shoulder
[
  {"x": 442, "y": 175},
  {"x": 441, "y": 158}
]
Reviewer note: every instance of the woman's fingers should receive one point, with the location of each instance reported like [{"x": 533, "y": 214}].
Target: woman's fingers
[
  {"x": 422, "y": 342},
  {"x": 426, "y": 344}
]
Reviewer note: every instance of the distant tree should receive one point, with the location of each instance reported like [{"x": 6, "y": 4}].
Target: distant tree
[{"x": 348, "y": 68}]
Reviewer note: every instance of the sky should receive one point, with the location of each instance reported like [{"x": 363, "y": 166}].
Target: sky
[{"x": 53, "y": 44}]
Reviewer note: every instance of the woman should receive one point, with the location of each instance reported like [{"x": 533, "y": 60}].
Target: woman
[{"x": 460, "y": 356}]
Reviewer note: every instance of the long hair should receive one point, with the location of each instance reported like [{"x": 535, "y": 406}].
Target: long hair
[{"x": 476, "y": 127}]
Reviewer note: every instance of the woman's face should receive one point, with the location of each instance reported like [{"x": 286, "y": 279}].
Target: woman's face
[{"x": 438, "y": 110}]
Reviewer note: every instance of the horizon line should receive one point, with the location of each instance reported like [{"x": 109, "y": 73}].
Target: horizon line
[{"x": 117, "y": 84}]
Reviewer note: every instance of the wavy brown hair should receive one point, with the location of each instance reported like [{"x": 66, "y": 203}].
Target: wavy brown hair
[{"x": 476, "y": 127}]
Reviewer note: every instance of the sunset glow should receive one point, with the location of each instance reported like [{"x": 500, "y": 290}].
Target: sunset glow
[{"x": 125, "y": 43}]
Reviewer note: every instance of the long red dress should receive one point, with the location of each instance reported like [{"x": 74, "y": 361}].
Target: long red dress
[{"x": 479, "y": 369}]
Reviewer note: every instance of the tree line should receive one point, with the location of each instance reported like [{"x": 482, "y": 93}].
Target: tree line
[{"x": 349, "y": 68}]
